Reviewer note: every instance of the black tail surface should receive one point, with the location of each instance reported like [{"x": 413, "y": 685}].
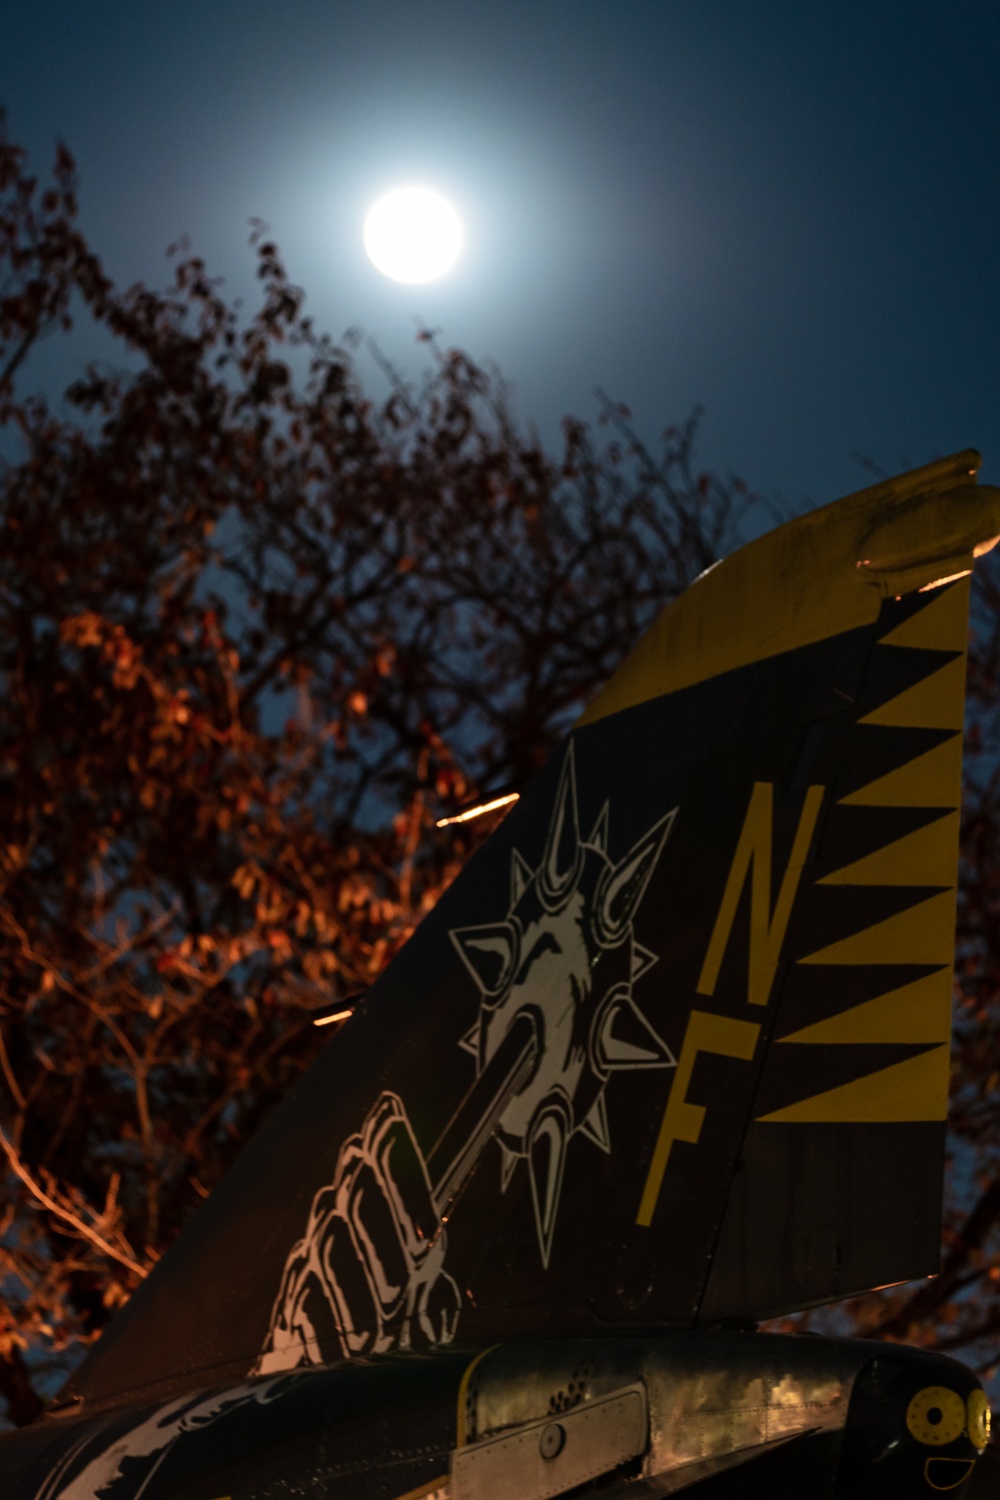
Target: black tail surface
[{"x": 674, "y": 1048}]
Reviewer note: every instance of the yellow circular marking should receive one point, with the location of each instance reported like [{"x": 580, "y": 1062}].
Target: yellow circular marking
[
  {"x": 978, "y": 1409},
  {"x": 936, "y": 1416}
]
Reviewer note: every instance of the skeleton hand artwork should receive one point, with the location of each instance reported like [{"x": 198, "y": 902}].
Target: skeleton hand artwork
[{"x": 368, "y": 1275}]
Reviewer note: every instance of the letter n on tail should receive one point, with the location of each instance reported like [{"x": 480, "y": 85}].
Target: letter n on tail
[{"x": 722, "y": 1035}]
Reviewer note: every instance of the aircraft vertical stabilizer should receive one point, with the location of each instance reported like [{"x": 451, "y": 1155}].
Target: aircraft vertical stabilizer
[{"x": 673, "y": 1049}]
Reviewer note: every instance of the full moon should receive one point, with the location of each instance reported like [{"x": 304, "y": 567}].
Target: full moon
[{"x": 412, "y": 234}]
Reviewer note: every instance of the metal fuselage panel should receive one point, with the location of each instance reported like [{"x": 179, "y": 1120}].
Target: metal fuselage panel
[{"x": 713, "y": 1413}]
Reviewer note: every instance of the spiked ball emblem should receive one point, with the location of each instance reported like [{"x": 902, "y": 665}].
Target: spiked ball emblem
[{"x": 565, "y": 956}]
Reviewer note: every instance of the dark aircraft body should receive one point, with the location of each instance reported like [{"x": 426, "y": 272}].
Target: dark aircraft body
[
  {"x": 729, "y": 1414},
  {"x": 670, "y": 1057}
]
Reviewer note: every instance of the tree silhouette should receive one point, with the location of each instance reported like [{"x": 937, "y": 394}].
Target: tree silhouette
[{"x": 258, "y": 630}]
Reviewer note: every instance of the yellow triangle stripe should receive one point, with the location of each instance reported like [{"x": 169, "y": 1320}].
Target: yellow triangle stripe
[
  {"x": 942, "y": 625},
  {"x": 922, "y": 934},
  {"x": 933, "y": 779},
  {"x": 929, "y": 856},
  {"x": 936, "y": 702},
  {"x": 917, "y": 1012},
  {"x": 916, "y": 1089}
]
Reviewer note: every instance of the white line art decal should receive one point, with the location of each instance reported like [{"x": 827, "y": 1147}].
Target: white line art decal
[
  {"x": 117, "y": 1468},
  {"x": 557, "y": 1017},
  {"x": 368, "y": 1274}
]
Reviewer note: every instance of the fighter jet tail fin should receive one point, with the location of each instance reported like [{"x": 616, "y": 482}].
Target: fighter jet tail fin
[{"x": 674, "y": 1047}]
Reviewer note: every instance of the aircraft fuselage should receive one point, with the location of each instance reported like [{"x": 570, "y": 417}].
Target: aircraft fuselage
[{"x": 719, "y": 1413}]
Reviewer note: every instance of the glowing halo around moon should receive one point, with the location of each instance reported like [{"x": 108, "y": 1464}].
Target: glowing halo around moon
[{"x": 413, "y": 234}]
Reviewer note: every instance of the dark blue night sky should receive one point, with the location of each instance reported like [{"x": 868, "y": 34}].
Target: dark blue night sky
[{"x": 785, "y": 211}]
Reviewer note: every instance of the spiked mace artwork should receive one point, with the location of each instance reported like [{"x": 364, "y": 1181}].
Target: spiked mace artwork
[{"x": 554, "y": 1023}]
